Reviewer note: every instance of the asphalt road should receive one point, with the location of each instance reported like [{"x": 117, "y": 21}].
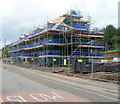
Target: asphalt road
[{"x": 22, "y": 81}]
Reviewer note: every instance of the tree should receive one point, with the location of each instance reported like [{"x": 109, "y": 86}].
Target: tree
[
  {"x": 118, "y": 32},
  {"x": 111, "y": 36},
  {"x": 5, "y": 51},
  {"x": 117, "y": 40}
]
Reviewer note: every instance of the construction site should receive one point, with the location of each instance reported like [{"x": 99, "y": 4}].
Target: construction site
[
  {"x": 60, "y": 51},
  {"x": 65, "y": 42}
]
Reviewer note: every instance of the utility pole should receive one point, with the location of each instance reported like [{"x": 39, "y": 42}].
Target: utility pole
[{"x": 4, "y": 48}]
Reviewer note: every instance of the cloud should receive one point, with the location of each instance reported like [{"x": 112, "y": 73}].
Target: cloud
[{"x": 21, "y": 16}]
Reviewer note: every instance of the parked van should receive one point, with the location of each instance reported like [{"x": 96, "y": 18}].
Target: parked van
[{"x": 116, "y": 59}]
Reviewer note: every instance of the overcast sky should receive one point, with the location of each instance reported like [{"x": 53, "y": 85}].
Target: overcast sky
[{"x": 20, "y": 16}]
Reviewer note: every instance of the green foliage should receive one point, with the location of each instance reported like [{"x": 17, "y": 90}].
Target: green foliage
[
  {"x": 5, "y": 51},
  {"x": 112, "y": 37},
  {"x": 118, "y": 32}
]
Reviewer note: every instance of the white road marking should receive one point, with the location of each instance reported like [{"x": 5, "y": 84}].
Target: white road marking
[
  {"x": 46, "y": 97},
  {"x": 1, "y": 100},
  {"x": 17, "y": 98},
  {"x": 94, "y": 93},
  {"x": 79, "y": 88}
]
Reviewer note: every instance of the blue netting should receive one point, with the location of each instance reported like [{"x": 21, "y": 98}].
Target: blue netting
[
  {"x": 56, "y": 41},
  {"x": 74, "y": 13},
  {"x": 88, "y": 54},
  {"x": 53, "y": 52},
  {"x": 79, "y": 26},
  {"x": 97, "y": 44},
  {"x": 89, "y": 43},
  {"x": 101, "y": 30},
  {"x": 16, "y": 42},
  {"x": 94, "y": 31},
  {"x": 35, "y": 32},
  {"x": 51, "y": 26},
  {"x": 48, "y": 53},
  {"x": 60, "y": 27},
  {"x": 38, "y": 43}
]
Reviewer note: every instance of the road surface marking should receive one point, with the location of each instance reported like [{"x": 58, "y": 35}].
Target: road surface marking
[
  {"x": 13, "y": 98},
  {"x": 81, "y": 89},
  {"x": 50, "y": 95},
  {"x": 95, "y": 93},
  {"x": 46, "y": 97},
  {"x": 1, "y": 100}
]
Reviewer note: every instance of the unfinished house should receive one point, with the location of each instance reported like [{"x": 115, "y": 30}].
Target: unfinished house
[{"x": 60, "y": 41}]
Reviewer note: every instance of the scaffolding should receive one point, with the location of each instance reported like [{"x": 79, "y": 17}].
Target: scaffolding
[{"x": 56, "y": 44}]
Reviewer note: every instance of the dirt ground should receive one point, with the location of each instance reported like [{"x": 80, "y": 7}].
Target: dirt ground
[{"x": 101, "y": 76}]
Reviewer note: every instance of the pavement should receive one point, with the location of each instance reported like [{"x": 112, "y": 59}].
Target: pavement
[{"x": 28, "y": 85}]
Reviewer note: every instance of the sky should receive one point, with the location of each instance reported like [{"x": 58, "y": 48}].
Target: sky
[{"x": 21, "y": 16}]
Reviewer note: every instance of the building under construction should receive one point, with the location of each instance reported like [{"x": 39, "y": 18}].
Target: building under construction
[{"x": 60, "y": 41}]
